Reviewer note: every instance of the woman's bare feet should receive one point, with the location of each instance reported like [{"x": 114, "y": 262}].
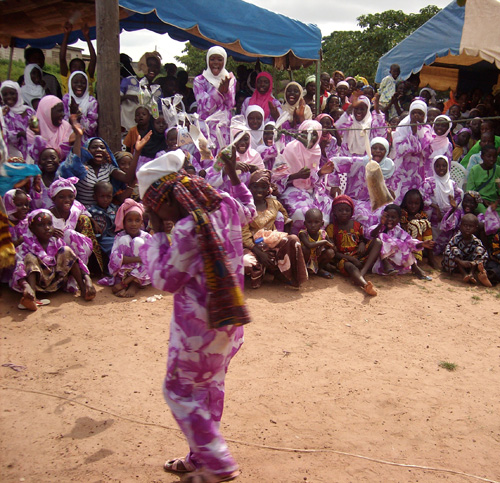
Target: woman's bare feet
[
  {"x": 118, "y": 287},
  {"x": 89, "y": 292},
  {"x": 132, "y": 289}
]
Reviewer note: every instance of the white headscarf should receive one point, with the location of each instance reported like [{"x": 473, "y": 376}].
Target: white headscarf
[
  {"x": 19, "y": 107},
  {"x": 444, "y": 185},
  {"x": 386, "y": 164},
  {"x": 403, "y": 130},
  {"x": 432, "y": 93},
  {"x": 207, "y": 73},
  {"x": 356, "y": 138},
  {"x": 255, "y": 135},
  {"x": 84, "y": 101},
  {"x": 152, "y": 171},
  {"x": 30, "y": 90},
  {"x": 440, "y": 143}
]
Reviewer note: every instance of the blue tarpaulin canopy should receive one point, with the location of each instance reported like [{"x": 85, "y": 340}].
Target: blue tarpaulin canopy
[
  {"x": 246, "y": 31},
  {"x": 456, "y": 38}
]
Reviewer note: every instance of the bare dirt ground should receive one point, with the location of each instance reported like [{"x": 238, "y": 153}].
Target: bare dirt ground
[{"x": 353, "y": 382}]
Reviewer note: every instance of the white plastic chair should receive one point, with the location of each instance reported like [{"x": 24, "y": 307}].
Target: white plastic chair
[{"x": 458, "y": 174}]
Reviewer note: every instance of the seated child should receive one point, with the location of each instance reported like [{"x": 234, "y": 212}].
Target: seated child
[
  {"x": 398, "y": 247},
  {"x": 103, "y": 216},
  {"x": 485, "y": 178},
  {"x": 124, "y": 160},
  {"x": 128, "y": 274},
  {"x": 276, "y": 252},
  {"x": 17, "y": 118},
  {"x": 268, "y": 150},
  {"x": 439, "y": 191},
  {"x": 45, "y": 263},
  {"x": 317, "y": 247},
  {"x": 48, "y": 163},
  {"x": 415, "y": 222},
  {"x": 487, "y": 137},
  {"x": 143, "y": 121},
  {"x": 466, "y": 254},
  {"x": 17, "y": 207},
  {"x": 493, "y": 265},
  {"x": 462, "y": 140},
  {"x": 354, "y": 257},
  {"x": 71, "y": 220}
]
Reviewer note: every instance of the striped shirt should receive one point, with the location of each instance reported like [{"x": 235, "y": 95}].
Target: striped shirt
[{"x": 85, "y": 187}]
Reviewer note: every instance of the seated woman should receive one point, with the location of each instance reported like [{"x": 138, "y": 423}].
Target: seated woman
[
  {"x": 255, "y": 122},
  {"x": 263, "y": 97},
  {"x": 440, "y": 144},
  {"x": 295, "y": 110},
  {"x": 95, "y": 162},
  {"x": 48, "y": 163},
  {"x": 32, "y": 89},
  {"x": 52, "y": 130},
  {"x": 357, "y": 188},
  {"x": 214, "y": 91},
  {"x": 275, "y": 251},
  {"x": 355, "y": 120},
  {"x": 17, "y": 118},
  {"x": 299, "y": 178},
  {"x": 45, "y": 263},
  {"x": 79, "y": 101}
]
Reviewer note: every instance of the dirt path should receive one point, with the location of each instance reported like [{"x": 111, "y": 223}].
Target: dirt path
[{"x": 326, "y": 370}]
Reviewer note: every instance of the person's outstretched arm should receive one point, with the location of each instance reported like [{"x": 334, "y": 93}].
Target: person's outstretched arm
[{"x": 63, "y": 64}]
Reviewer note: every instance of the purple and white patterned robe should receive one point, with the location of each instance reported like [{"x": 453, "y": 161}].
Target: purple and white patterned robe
[
  {"x": 126, "y": 246},
  {"x": 15, "y": 124},
  {"x": 198, "y": 356}
]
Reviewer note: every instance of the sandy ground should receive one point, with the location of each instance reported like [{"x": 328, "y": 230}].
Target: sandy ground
[{"x": 352, "y": 382}]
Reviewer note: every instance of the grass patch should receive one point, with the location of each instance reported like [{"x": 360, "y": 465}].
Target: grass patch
[
  {"x": 476, "y": 299},
  {"x": 449, "y": 366}
]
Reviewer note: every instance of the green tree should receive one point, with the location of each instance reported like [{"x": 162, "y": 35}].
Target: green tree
[{"x": 358, "y": 52}]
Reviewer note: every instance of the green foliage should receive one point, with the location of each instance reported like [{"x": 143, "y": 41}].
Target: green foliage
[
  {"x": 18, "y": 70},
  {"x": 358, "y": 52}
]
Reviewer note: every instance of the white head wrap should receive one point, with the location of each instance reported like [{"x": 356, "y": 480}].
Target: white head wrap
[
  {"x": 386, "y": 164},
  {"x": 444, "y": 185},
  {"x": 403, "y": 130},
  {"x": 152, "y": 171},
  {"x": 256, "y": 135},
  {"x": 30, "y": 90},
  {"x": 356, "y": 137},
  {"x": 215, "y": 80},
  {"x": 19, "y": 107},
  {"x": 84, "y": 101}
]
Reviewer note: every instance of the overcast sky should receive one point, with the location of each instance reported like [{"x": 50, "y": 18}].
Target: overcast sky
[{"x": 326, "y": 14}]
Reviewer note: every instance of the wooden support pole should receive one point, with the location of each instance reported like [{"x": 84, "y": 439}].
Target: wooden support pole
[
  {"x": 11, "y": 56},
  {"x": 108, "y": 71},
  {"x": 318, "y": 87}
]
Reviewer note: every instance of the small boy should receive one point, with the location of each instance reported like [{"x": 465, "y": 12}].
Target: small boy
[
  {"x": 388, "y": 85},
  {"x": 466, "y": 253},
  {"x": 317, "y": 247},
  {"x": 103, "y": 217},
  {"x": 142, "y": 118}
]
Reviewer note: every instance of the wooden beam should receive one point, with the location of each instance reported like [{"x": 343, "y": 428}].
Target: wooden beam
[{"x": 108, "y": 71}]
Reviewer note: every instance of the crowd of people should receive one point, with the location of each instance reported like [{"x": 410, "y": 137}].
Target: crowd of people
[{"x": 223, "y": 179}]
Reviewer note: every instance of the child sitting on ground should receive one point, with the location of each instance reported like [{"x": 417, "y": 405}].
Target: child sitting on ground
[
  {"x": 17, "y": 207},
  {"x": 45, "y": 263},
  {"x": 317, "y": 247},
  {"x": 354, "y": 257},
  {"x": 124, "y": 160},
  {"x": 103, "y": 217},
  {"x": 415, "y": 222},
  {"x": 466, "y": 254},
  {"x": 398, "y": 247},
  {"x": 128, "y": 274},
  {"x": 143, "y": 125}
]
